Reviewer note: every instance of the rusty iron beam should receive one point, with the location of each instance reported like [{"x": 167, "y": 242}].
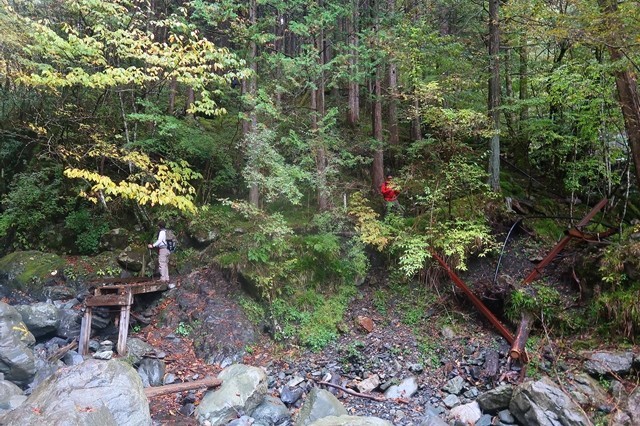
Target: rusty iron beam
[
  {"x": 537, "y": 270},
  {"x": 474, "y": 299},
  {"x": 518, "y": 347}
]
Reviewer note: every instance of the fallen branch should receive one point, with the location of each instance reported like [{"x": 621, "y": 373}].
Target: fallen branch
[
  {"x": 354, "y": 393},
  {"x": 179, "y": 387},
  {"x": 62, "y": 351}
]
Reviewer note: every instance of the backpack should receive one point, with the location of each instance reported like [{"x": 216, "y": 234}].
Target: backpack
[{"x": 170, "y": 240}]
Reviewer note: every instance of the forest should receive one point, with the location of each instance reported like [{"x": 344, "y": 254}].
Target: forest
[{"x": 283, "y": 118}]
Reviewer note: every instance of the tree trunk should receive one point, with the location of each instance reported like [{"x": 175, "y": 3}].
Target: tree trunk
[
  {"x": 392, "y": 98},
  {"x": 392, "y": 105},
  {"x": 317, "y": 111},
  {"x": 627, "y": 85},
  {"x": 494, "y": 94},
  {"x": 353, "y": 108},
  {"x": 191, "y": 98},
  {"x": 252, "y": 88},
  {"x": 377, "y": 170},
  {"x": 173, "y": 88},
  {"x": 416, "y": 124}
]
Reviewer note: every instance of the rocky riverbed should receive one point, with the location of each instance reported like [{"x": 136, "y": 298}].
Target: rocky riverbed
[{"x": 431, "y": 363}]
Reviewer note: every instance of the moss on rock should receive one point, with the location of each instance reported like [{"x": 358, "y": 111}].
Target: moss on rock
[{"x": 29, "y": 271}]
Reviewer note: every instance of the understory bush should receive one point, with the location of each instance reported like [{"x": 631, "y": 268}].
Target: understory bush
[
  {"x": 304, "y": 280},
  {"x": 617, "y": 305},
  {"x": 34, "y": 201}
]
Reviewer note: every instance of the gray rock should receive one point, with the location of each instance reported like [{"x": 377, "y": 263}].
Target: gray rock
[
  {"x": 151, "y": 372},
  {"x": 542, "y": 403},
  {"x": 243, "y": 389},
  {"x": 137, "y": 349},
  {"x": 242, "y": 421},
  {"x": 272, "y": 412},
  {"x": 608, "y": 363},
  {"x": 290, "y": 395},
  {"x": 468, "y": 413},
  {"x": 633, "y": 406},
  {"x": 505, "y": 416},
  {"x": 496, "y": 399},
  {"x": 431, "y": 420},
  {"x": 451, "y": 401},
  {"x": 92, "y": 393},
  {"x": 72, "y": 358},
  {"x": 454, "y": 385},
  {"x": 40, "y": 318},
  {"x": 132, "y": 259},
  {"x": 17, "y": 361},
  {"x": 485, "y": 420},
  {"x": 69, "y": 325},
  {"x": 103, "y": 355},
  {"x": 319, "y": 404},
  {"x": 7, "y": 391},
  {"x": 169, "y": 379},
  {"x": 587, "y": 391},
  {"x": 115, "y": 239},
  {"x": 350, "y": 421},
  {"x": 406, "y": 389}
]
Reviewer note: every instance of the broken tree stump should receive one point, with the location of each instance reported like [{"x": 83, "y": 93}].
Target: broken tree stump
[{"x": 208, "y": 382}]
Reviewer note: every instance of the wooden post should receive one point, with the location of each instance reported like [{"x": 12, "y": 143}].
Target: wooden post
[
  {"x": 123, "y": 329},
  {"x": 85, "y": 331}
]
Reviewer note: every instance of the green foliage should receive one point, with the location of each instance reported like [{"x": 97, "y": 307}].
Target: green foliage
[
  {"x": 87, "y": 228},
  {"x": 620, "y": 308},
  {"x": 184, "y": 329},
  {"x": 34, "y": 202},
  {"x": 253, "y": 310},
  {"x": 268, "y": 169},
  {"x": 540, "y": 300},
  {"x": 380, "y": 301}
]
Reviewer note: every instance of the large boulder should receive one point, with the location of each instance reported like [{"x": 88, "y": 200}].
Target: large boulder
[
  {"x": 542, "y": 403},
  {"x": 70, "y": 323},
  {"x": 319, "y": 404},
  {"x": 496, "y": 399},
  {"x": 271, "y": 411},
  {"x": 105, "y": 393},
  {"x": 115, "y": 239},
  {"x": 605, "y": 363},
  {"x": 243, "y": 389},
  {"x": 40, "y": 318},
  {"x": 10, "y": 394},
  {"x": 134, "y": 259},
  {"x": 17, "y": 361},
  {"x": 29, "y": 272}
]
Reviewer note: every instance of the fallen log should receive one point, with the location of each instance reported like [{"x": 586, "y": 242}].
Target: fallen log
[
  {"x": 180, "y": 387},
  {"x": 62, "y": 351},
  {"x": 354, "y": 393}
]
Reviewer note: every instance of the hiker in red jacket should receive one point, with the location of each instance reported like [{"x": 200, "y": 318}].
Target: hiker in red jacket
[{"x": 390, "y": 191}]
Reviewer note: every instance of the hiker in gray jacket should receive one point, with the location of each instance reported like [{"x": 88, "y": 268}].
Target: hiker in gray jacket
[{"x": 163, "y": 252}]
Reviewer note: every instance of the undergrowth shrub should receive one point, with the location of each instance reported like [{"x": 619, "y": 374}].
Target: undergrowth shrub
[
  {"x": 618, "y": 304},
  {"x": 305, "y": 281},
  {"x": 34, "y": 202},
  {"x": 88, "y": 229}
]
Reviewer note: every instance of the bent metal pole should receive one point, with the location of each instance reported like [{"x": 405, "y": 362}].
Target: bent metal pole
[
  {"x": 474, "y": 299},
  {"x": 517, "y": 348}
]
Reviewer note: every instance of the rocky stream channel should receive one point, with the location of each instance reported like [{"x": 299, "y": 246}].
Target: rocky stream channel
[{"x": 377, "y": 373}]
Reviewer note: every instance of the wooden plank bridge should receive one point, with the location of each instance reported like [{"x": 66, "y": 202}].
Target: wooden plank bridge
[{"x": 115, "y": 292}]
